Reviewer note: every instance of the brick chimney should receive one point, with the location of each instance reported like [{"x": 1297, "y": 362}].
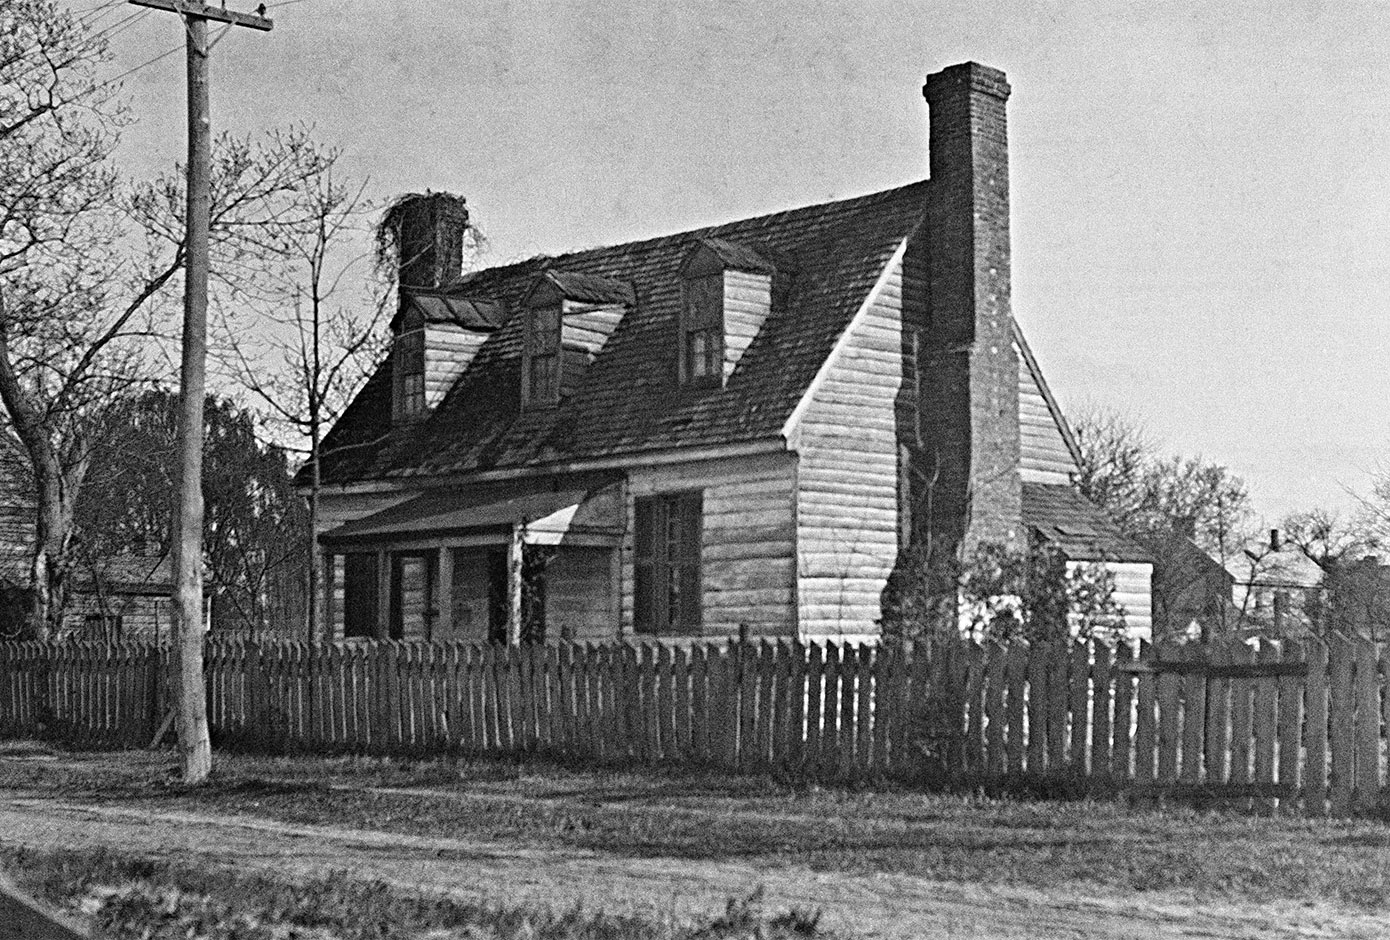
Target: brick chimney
[
  {"x": 430, "y": 239},
  {"x": 970, "y": 367}
]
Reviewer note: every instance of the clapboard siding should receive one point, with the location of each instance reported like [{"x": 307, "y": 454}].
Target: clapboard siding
[
  {"x": 748, "y": 549},
  {"x": 448, "y": 351},
  {"x": 747, "y": 300},
  {"x": 1133, "y": 593},
  {"x": 1045, "y": 457},
  {"x": 588, "y": 326},
  {"x": 847, "y": 475},
  {"x": 577, "y": 595}
]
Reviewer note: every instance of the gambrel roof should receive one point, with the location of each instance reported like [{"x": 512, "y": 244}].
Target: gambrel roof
[{"x": 628, "y": 401}]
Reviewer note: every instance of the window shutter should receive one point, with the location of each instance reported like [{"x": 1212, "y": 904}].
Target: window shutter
[
  {"x": 685, "y": 562},
  {"x": 646, "y": 612}
]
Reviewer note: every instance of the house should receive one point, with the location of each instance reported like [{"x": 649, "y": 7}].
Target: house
[
  {"x": 125, "y": 596},
  {"x": 1277, "y": 588},
  {"x": 1193, "y": 593},
  {"x": 738, "y": 429}
]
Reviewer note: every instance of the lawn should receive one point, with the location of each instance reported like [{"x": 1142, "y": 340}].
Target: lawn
[
  {"x": 972, "y": 840},
  {"x": 120, "y": 896}
]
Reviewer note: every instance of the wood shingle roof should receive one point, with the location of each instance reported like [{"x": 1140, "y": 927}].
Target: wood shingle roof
[{"x": 628, "y": 401}]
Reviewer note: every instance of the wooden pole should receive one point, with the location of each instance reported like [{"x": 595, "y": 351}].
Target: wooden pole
[{"x": 195, "y": 747}]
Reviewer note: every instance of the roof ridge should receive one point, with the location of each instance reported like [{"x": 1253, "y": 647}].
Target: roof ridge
[{"x": 703, "y": 231}]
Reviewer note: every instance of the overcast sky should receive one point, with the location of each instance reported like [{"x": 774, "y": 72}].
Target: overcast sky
[{"x": 1201, "y": 191}]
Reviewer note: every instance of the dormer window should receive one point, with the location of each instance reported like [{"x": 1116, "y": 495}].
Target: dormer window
[
  {"x": 569, "y": 316},
  {"x": 702, "y": 330},
  {"x": 436, "y": 336},
  {"x": 726, "y": 294},
  {"x": 543, "y": 355},
  {"x": 409, "y": 368}
]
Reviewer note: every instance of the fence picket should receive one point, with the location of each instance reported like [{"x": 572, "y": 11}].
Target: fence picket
[
  {"x": 1102, "y": 719},
  {"x": 1079, "y": 683},
  {"x": 846, "y": 726},
  {"x": 996, "y": 661},
  {"x": 1218, "y": 734},
  {"x": 1367, "y": 696},
  {"x": 1264, "y": 721},
  {"x": 1194, "y": 719},
  {"x": 815, "y": 681},
  {"x": 1038, "y": 658},
  {"x": 1290, "y": 725},
  {"x": 1146, "y": 720},
  {"x": 1316, "y": 730},
  {"x": 1341, "y": 737},
  {"x": 1059, "y": 657}
]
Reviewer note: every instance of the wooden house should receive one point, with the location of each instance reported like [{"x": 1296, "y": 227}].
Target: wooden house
[
  {"x": 734, "y": 429},
  {"x": 124, "y": 596}
]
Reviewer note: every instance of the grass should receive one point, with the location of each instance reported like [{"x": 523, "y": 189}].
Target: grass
[
  {"x": 130, "y": 896},
  {"x": 963, "y": 838}
]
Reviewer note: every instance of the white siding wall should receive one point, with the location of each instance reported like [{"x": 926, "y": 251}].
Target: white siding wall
[
  {"x": 578, "y": 602},
  {"x": 1045, "y": 456},
  {"x": 588, "y": 326},
  {"x": 748, "y": 553},
  {"x": 747, "y": 301},
  {"x": 847, "y": 478},
  {"x": 448, "y": 351},
  {"x": 1133, "y": 592}
]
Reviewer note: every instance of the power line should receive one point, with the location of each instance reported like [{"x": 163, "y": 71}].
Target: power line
[{"x": 163, "y": 55}]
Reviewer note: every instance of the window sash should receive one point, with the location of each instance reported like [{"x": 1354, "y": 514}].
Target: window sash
[
  {"x": 667, "y": 542},
  {"x": 702, "y": 328},
  {"x": 704, "y": 353},
  {"x": 542, "y": 355}
]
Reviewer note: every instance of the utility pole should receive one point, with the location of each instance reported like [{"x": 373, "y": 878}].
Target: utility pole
[{"x": 195, "y": 747}]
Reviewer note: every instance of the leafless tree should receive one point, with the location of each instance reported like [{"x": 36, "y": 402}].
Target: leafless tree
[
  {"x": 320, "y": 329},
  {"x": 85, "y": 258}
]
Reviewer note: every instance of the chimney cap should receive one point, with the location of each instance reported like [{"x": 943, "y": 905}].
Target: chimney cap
[{"x": 972, "y": 75}]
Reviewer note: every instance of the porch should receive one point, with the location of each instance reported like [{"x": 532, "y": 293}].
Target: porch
[{"x": 512, "y": 562}]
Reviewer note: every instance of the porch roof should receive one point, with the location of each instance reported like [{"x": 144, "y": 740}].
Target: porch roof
[{"x": 549, "y": 504}]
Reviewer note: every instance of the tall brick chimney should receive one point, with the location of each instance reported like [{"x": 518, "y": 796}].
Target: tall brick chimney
[
  {"x": 429, "y": 238},
  {"x": 969, "y": 382}
]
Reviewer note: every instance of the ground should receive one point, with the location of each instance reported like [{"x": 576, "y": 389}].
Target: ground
[{"x": 667, "y": 847}]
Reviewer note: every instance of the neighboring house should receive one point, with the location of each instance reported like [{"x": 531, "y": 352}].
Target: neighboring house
[
  {"x": 1192, "y": 592},
  {"x": 1277, "y": 589},
  {"x": 733, "y": 429},
  {"x": 121, "y": 597}
]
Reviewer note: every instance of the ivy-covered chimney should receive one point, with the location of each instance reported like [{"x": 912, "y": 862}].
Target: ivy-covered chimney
[{"x": 429, "y": 230}]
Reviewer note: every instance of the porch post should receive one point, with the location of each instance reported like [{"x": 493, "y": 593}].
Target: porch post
[
  {"x": 514, "y": 557},
  {"x": 443, "y": 622},
  {"x": 383, "y": 594},
  {"x": 330, "y": 578}
]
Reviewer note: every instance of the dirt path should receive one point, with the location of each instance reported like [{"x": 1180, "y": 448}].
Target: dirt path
[{"x": 872, "y": 906}]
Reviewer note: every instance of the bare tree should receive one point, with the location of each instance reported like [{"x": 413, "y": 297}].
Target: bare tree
[
  {"x": 321, "y": 331},
  {"x": 84, "y": 258}
]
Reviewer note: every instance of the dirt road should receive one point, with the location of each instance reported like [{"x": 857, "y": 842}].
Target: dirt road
[{"x": 889, "y": 906}]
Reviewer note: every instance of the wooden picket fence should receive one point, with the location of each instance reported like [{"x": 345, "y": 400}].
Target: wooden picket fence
[{"x": 1288, "y": 726}]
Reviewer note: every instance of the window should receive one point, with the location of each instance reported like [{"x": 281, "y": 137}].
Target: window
[
  {"x": 410, "y": 366},
  {"x": 702, "y": 330},
  {"x": 668, "y": 534},
  {"x": 542, "y": 354}
]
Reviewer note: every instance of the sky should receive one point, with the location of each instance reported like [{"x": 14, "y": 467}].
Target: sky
[{"x": 1200, "y": 192}]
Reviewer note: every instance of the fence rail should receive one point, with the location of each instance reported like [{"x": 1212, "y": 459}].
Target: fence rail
[{"x": 1286, "y": 726}]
